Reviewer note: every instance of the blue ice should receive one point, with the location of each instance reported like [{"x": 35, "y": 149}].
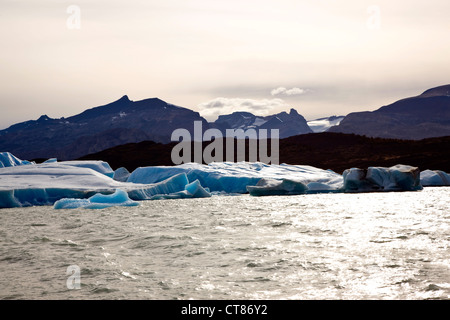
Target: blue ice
[{"x": 97, "y": 201}]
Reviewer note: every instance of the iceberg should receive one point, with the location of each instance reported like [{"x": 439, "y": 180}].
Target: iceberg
[
  {"x": 51, "y": 160},
  {"x": 121, "y": 174},
  {"x": 192, "y": 190},
  {"x": 93, "y": 184},
  {"x": 396, "y": 178},
  {"x": 232, "y": 177},
  {"x": 99, "y": 166},
  {"x": 175, "y": 187},
  {"x": 97, "y": 201},
  {"x": 46, "y": 183},
  {"x": 9, "y": 160},
  {"x": 272, "y": 187},
  {"x": 435, "y": 178}
]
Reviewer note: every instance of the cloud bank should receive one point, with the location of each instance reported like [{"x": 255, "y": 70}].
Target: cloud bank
[
  {"x": 288, "y": 92},
  {"x": 210, "y": 110}
]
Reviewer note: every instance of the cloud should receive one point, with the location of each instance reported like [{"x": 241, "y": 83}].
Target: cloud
[
  {"x": 220, "y": 106},
  {"x": 288, "y": 92}
]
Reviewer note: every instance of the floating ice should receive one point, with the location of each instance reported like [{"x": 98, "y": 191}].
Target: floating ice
[
  {"x": 175, "y": 187},
  {"x": 97, "y": 201},
  {"x": 272, "y": 187},
  {"x": 396, "y": 178},
  {"x": 51, "y": 160},
  {"x": 121, "y": 174},
  {"x": 44, "y": 184},
  {"x": 99, "y": 166},
  {"x": 236, "y": 177},
  {"x": 434, "y": 178},
  {"x": 9, "y": 160},
  {"x": 192, "y": 190}
]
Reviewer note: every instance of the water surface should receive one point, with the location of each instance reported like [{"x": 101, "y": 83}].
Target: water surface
[{"x": 324, "y": 246}]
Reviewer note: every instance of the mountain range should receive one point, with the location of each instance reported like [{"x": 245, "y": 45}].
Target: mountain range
[
  {"x": 96, "y": 129},
  {"x": 288, "y": 124},
  {"x": 125, "y": 121},
  {"x": 423, "y": 116}
]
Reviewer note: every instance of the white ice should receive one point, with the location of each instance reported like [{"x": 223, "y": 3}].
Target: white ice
[
  {"x": 99, "y": 166},
  {"x": 236, "y": 177},
  {"x": 44, "y": 184},
  {"x": 9, "y": 160}
]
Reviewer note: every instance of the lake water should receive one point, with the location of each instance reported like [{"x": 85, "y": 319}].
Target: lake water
[{"x": 324, "y": 246}]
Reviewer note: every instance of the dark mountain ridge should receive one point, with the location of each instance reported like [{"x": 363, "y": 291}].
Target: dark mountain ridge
[
  {"x": 327, "y": 150},
  {"x": 125, "y": 121},
  {"x": 288, "y": 124},
  {"x": 424, "y": 116},
  {"x": 122, "y": 121}
]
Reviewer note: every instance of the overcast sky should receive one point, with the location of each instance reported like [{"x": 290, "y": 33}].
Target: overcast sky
[{"x": 322, "y": 57}]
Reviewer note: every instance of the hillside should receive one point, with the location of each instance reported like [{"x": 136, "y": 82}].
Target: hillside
[
  {"x": 335, "y": 151},
  {"x": 122, "y": 121},
  {"x": 415, "y": 118}
]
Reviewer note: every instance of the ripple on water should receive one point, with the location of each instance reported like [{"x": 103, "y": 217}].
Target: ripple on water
[{"x": 328, "y": 246}]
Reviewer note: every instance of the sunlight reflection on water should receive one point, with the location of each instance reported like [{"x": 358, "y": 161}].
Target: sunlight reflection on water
[{"x": 325, "y": 246}]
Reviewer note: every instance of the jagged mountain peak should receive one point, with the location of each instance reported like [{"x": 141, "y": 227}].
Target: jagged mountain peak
[
  {"x": 289, "y": 124},
  {"x": 119, "y": 122},
  {"x": 44, "y": 118},
  {"x": 236, "y": 114},
  {"x": 124, "y": 98}
]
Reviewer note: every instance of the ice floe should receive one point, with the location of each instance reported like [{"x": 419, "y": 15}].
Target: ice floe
[
  {"x": 97, "y": 201},
  {"x": 434, "y": 178},
  {"x": 236, "y": 177},
  {"x": 121, "y": 174},
  {"x": 44, "y": 184},
  {"x": 93, "y": 184},
  {"x": 396, "y": 178},
  {"x": 9, "y": 160}
]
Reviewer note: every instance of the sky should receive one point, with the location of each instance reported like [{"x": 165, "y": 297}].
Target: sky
[{"x": 322, "y": 57}]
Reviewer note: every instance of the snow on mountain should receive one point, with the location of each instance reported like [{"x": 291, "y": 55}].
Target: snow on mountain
[
  {"x": 126, "y": 121},
  {"x": 288, "y": 124},
  {"x": 96, "y": 129},
  {"x": 323, "y": 124}
]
